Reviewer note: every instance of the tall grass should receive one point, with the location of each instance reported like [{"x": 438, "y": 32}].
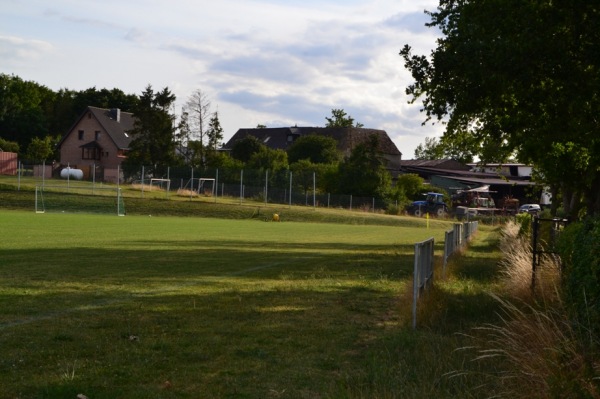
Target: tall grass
[{"x": 535, "y": 346}]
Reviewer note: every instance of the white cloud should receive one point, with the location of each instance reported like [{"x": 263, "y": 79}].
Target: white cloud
[
  {"x": 20, "y": 51},
  {"x": 260, "y": 61}
]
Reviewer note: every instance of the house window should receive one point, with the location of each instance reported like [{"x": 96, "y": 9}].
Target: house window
[
  {"x": 97, "y": 135},
  {"x": 90, "y": 153},
  {"x": 80, "y": 134}
]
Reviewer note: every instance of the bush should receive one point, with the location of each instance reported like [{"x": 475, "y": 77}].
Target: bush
[
  {"x": 580, "y": 252},
  {"x": 524, "y": 221}
]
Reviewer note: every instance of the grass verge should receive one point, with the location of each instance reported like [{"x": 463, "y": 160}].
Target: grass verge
[{"x": 180, "y": 307}]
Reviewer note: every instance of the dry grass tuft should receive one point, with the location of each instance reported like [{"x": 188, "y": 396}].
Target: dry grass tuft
[
  {"x": 517, "y": 266},
  {"x": 186, "y": 193},
  {"x": 539, "y": 351},
  {"x": 535, "y": 347},
  {"x": 146, "y": 187}
]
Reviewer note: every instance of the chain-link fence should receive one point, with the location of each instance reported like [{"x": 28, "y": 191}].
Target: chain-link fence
[{"x": 276, "y": 187}]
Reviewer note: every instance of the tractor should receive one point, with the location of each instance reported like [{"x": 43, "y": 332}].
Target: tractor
[{"x": 433, "y": 204}]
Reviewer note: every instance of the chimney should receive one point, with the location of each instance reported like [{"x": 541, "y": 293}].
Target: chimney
[{"x": 115, "y": 113}]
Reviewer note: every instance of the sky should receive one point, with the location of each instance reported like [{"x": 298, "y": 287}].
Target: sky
[{"x": 270, "y": 62}]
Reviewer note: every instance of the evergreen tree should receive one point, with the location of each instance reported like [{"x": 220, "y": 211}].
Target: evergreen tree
[
  {"x": 363, "y": 173},
  {"x": 315, "y": 148},
  {"x": 153, "y": 143}
]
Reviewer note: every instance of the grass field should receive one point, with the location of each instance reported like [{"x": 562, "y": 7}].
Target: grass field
[{"x": 180, "y": 307}]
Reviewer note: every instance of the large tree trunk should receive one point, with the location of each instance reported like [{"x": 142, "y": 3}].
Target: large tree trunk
[
  {"x": 554, "y": 190},
  {"x": 571, "y": 201},
  {"x": 592, "y": 197}
]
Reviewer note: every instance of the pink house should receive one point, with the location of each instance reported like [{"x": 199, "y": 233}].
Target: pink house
[
  {"x": 8, "y": 163},
  {"x": 98, "y": 140}
]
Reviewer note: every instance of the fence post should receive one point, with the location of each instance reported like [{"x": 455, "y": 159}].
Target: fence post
[
  {"x": 241, "y": 185},
  {"x": 423, "y": 271},
  {"x": 142, "y": 181},
  {"x": 192, "y": 185},
  {"x": 535, "y": 224},
  {"x": 314, "y": 191},
  {"x": 169, "y": 181},
  {"x": 266, "y": 185},
  {"x": 216, "y": 188}
]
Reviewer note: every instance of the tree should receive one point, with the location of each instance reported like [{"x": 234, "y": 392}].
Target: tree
[
  {"x": 9, "y": 146},
  {"x": 214, "y": 133},
  {"x": 315, "y": 148},
  {"x": 153, "y": 142},
  {"x": 431, "y": 149},
  {"x": 339, "y": 118},
  {"x": 411, "y": 184},
  {"x": 196, "y": 114},
  {"x": 461, "y": 148},
  {"x": 29, "y": 110},
  {"x": 303, "y": 170},
  {"x": 267, "y": 158},
  {"x": 243, "y": 149},
  {"x": 520, "y": 77},
  {"x": 41, "y": 149},
  {"x": 363, "y": 173},
  {"x": 23, "y": 107},
  {"x": 408, "y": 187}
]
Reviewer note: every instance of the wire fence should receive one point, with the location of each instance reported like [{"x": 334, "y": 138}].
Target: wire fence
[
  {"x": 454, "y": 240},
  {"x": 306, "y": 188}
]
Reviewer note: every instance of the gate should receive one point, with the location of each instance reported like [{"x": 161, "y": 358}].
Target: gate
[{"x": 544, "y": 234}]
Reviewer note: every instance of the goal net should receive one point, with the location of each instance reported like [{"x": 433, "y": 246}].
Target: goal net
[
  {"x": 79, "y": 199},
  {"x": 201, "y": 185},
  {"x": 161, "y": 184}
]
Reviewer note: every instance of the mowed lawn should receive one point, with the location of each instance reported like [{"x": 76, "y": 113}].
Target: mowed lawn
[{"x": 165, "y": 307}]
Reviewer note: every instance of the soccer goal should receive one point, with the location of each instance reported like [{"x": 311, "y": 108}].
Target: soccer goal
[
  {"x": 161, "y": 184},
  {"x": 81, "y": 199},
  {"x": 201, "y": 185}
]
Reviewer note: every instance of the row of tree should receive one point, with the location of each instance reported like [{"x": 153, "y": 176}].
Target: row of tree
[
  {"x": 518, "y": 79},
  {"x": 33, "y": 117}
]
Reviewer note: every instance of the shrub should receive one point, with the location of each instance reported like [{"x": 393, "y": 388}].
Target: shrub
[
  {"x": 536, "y": 348},
  {"x": 581, "y": 273},
  {"x": 524, "y": 220}
]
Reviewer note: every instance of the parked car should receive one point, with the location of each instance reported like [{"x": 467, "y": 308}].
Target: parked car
[{"x": 533, "y": 209}]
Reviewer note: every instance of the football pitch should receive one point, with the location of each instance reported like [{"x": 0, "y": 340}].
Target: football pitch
[{"x": 176, "y": 307}]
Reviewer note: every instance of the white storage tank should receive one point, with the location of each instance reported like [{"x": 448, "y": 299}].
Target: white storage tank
[{"x": 70, "y": 173}]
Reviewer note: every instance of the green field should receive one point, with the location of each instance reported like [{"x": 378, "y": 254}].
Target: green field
[{"x": 182, "y": 307}]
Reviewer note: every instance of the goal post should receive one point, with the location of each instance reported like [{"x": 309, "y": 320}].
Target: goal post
[
  {"x": 201, "y": 185},
  {"x": 163, "y": 184},
  {"x": 80, "y": 199}
]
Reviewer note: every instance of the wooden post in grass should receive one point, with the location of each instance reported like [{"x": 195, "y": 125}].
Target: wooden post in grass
[
  {"x": 290, "y": 188},
  {"x": 241, "y": 185}
]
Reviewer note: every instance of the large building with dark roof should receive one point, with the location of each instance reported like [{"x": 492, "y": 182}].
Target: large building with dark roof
[{"x": 347, "y": 138}]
